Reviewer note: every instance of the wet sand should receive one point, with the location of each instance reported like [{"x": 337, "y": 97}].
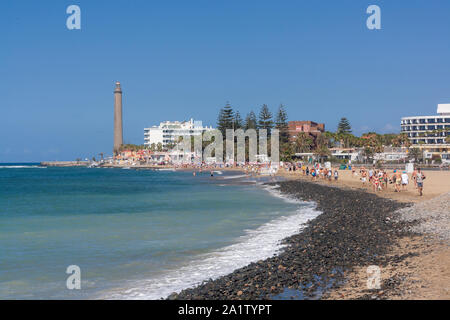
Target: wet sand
[{"x": 424, "y": 273}]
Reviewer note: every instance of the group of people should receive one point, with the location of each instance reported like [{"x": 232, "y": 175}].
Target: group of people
[
  {"x": 380, "y": 179},
  {"x": 315, "y": 172},
  {"x": 377, "y": 179}
]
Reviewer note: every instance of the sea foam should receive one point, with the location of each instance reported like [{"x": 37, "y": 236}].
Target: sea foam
[{"x": 257, "y": 244}]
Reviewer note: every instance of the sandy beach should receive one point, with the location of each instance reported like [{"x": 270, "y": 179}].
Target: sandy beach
[
  {"x": 404, "y": 235},
  {"x": 436, "y": 183},
  {"x": 425, "y": 271}
]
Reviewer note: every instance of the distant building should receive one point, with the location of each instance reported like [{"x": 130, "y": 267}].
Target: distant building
[
  {"x": 168, "y": 132},
  {"x": 392, "y": 154},
  {"x": 310, "y": 127},
  {"x": 352, "y": 154},
  {"x": 429, "y": 133}
]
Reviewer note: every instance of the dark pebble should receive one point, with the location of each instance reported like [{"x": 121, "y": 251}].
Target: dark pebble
[{"x": 351, "y": 231}]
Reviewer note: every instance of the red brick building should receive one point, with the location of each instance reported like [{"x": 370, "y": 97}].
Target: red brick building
[{"x": 310, "y": 127}]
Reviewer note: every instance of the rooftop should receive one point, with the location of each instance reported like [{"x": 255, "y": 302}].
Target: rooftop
[{"x": 443, "y": 109}]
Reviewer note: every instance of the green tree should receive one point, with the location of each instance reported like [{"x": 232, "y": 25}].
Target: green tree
[
  {"x": 265, "y": 119},
  {"x": 344, "y": 126},
  {"x": 399, "y": 140},
  {"x": 250, "y": 121},
  {"x": 159, "y": 147},
  {"x": 303, "y": 143},
  {"x": 225, "y": 119},
  {"x": 321, "y": 149},
  {"x": 282, "y": 125},
  {"x": 132, "y": 147},
  {"x": 332, "y": 138},
  {"x": 287, "y": 152},
  {"x": 238, "y": 123}
]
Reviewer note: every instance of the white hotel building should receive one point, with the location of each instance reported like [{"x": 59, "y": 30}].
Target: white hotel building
[
  {"x": 168, "y": 132},
  {"x": 429, "y": 132}
]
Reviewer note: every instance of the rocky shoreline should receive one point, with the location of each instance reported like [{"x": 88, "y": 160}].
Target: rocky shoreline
[{"x": 355, "y": 229}]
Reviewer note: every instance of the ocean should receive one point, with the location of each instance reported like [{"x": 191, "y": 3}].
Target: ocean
[{"x": 134, "y": 234}]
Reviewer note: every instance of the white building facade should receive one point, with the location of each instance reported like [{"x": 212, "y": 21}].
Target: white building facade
[
  {"x": 428, "y": 131},
  {"x": 168, "y": 132}
]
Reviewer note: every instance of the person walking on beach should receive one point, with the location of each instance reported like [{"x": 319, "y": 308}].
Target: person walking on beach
[
  {"x": 379, "y": 181},
  {"x": 396, "y": 177},
  {"x": 370, "y": 175},
  {"x": 336, "y": 175},
  {"x": 405, "y": 180},
  {"x": 386, "y": 180},
  {"x": 363, "y": 177},
  {"x": 419, "y": 179},
  {"x": 414, "y": 175}
]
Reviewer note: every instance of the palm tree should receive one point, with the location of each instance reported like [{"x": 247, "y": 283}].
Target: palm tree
[
  {"x": 332, "y": 138},
  {"x": 321, "y": 150},
  {"x": 401, "y": 140},
  {"x": 303, "y": 143}
]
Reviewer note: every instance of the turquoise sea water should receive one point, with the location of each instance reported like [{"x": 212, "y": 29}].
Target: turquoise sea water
[{"x": 134, "y": 234}]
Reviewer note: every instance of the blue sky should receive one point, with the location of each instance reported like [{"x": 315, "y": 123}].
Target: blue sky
[{"x": 182, "y": 59}]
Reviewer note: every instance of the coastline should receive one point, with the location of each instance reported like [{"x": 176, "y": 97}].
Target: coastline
[
  {"x": 414, "y": 264},
  {"x": 329, "y": 258},
  {"x": 424, "y": 273},
  {"x": 317, "y": 258}
]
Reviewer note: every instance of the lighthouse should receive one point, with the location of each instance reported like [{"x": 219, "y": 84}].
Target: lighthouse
[{"x": 118, "y": 129}]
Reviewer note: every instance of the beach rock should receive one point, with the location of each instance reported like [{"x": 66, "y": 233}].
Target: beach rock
[{"x": 351, "y": 231}]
